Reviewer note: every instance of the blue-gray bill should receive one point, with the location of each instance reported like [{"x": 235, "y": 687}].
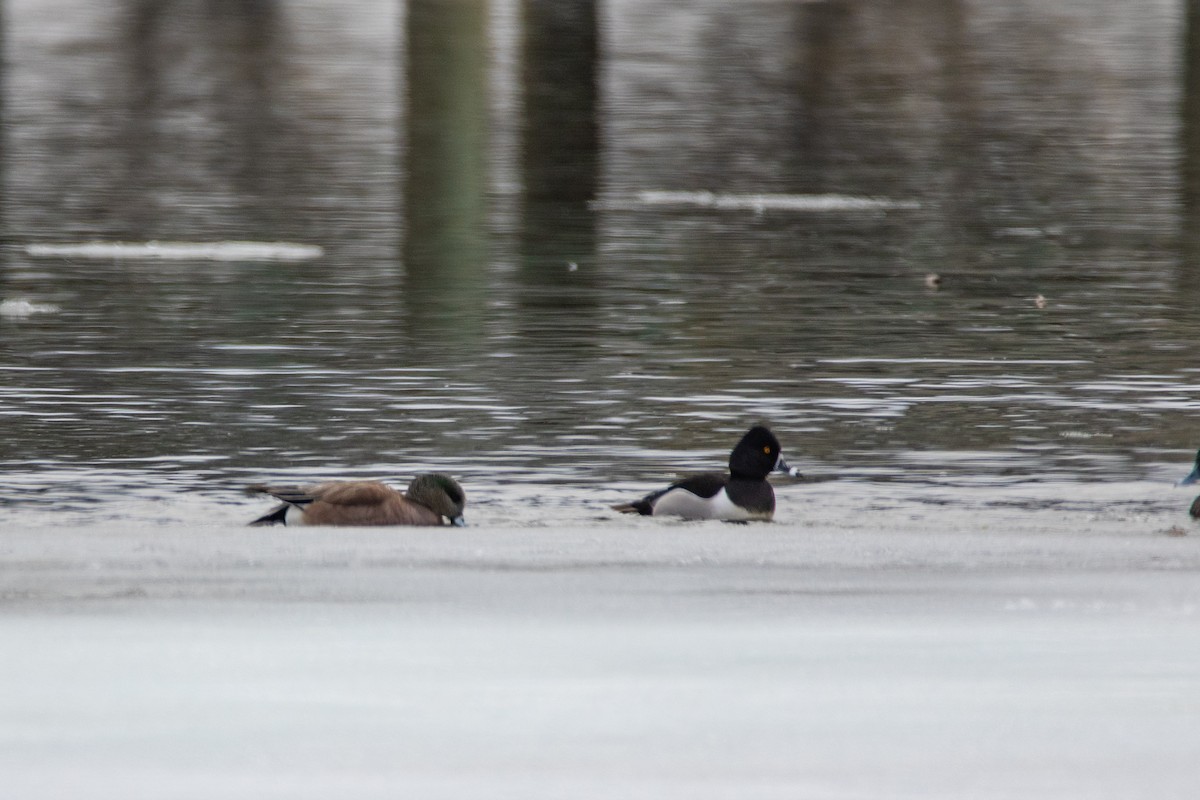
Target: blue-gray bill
[{"x": 782, "y": 466}]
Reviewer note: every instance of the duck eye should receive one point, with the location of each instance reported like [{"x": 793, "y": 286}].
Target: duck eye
[{"x": 767, "y": 449}]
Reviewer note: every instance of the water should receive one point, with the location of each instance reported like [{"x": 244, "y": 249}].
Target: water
[{"x": 566, "y": 250}]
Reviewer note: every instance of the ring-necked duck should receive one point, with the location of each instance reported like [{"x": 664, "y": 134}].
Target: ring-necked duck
[
  {"x": 429, "y": 498},
  {"x": 743, "y": 494},
  {"x": 1188, "y": 481}
]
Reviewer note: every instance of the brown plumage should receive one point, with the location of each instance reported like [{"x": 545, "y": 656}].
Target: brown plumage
[{"x": 429, "y": 498}]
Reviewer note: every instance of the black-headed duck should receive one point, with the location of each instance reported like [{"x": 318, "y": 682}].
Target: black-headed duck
[{"x": 741, "y": 495}]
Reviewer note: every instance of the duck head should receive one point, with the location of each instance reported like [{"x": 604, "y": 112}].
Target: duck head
[
  {"x": 758, "y": 454},
  {"x": 439, "y": 493}
]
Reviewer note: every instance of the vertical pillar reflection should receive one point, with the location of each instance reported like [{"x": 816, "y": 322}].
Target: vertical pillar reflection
[
  {"x": 1190, "y": 145},
  {"x": 820, "y": 27},
  {"x": 445, "y": 168},
  {"x": 4, "y": 235},
  {"x": 963, "y": 225},
  {"x": 960, "y": 97},
  {"x": 145, "y": 99},
  {"x": 229, "y": 63},
  {"x": 559, "y": 165}
]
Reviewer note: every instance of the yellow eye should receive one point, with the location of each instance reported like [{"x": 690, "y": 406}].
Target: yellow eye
[{"x": 767, "y": 449}]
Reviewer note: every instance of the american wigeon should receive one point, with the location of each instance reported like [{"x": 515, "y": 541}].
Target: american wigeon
[
  {"x": 743, "y": 494},
  {"x": 429, "y": 498},
  {"x": 1188, "y": 481}
]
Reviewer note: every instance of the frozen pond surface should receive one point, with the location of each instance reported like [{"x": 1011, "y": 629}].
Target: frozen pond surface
[{"x": 1020, "y": 651}]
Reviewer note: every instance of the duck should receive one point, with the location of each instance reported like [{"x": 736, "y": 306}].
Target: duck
[
  {"x": 741, "y": 495},
  {"x": 430, "y": 498},
  {"x": 1194, "y": 476}
]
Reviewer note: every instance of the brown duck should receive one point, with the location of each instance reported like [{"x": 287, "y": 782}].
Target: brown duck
[{"x": 430, "y": 498}]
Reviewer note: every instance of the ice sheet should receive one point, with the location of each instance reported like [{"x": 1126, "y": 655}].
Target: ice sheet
[{"x": 643, "y": 661}]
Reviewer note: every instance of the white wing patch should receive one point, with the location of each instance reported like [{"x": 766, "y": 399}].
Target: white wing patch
[{"x": 682, "y": 503}]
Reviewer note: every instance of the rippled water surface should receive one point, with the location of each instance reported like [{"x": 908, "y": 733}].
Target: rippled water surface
[{"x": 567, "y": 249}]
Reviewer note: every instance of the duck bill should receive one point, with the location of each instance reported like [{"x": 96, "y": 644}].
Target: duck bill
[
  {"x": 782, "y": 466},
  {"x": 1190, "y": 479},
  {"x": 458, "y": 522}
]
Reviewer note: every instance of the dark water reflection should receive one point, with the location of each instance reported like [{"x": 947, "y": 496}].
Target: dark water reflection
[{"x": 579, "y": 242}]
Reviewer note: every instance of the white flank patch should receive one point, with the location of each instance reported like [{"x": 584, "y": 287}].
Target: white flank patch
[
  {"x": 179, "y": 251},
  {"x": 24, "y": 308},
  {"x": 758, "y": 202},
  {"x": 682, "y": 503}
]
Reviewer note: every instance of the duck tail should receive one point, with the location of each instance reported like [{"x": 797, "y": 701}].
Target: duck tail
[
  {"x": 278, "y": 516},
  {"x": 295, "y": 495},
  {"x": 289, "y": 495},
  {"x": 636, "y": 507}
]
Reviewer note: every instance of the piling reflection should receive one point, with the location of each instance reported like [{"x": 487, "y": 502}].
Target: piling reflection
[
  {"x": 5, "y": 240},
  {"x": 958, "y": 189},
  {"x": 817, "y": 28},
  {"x": 235, "y": 53},
  {"x": 1189, "y": 144},
  {"x": 445, "y": 171},
  {"x": 195, "y": 119},
  {"x": 559, "y": 163}
]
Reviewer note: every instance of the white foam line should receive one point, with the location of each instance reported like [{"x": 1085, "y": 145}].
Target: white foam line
[
  {"x": 177, "y": 251},
  {"x": 990, "y": 361},
  {"x": 759, "y": 202},
  {"x": 19, "y": 307}
]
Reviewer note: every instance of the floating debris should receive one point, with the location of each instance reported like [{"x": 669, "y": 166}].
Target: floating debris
[
  {"x": 1039, "y": 301},
  {"x": 179, "y": 251},
  {"x": 933, "y": 281},
  {"x": 755, "y": 202},
  {"x": 20, "y": 307}
]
